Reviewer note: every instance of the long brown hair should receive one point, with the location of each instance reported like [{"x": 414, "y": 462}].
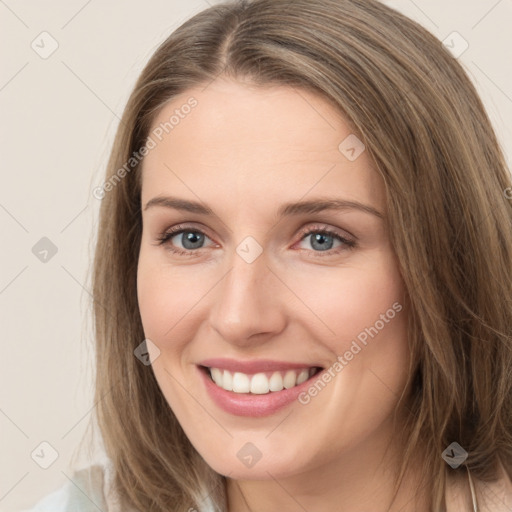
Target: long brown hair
[{"x": 450, "y": 224}]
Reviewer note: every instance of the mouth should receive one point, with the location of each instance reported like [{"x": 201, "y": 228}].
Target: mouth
[
  {"x": 260, "y": 383},
  {"x": 255, "y": 388}
]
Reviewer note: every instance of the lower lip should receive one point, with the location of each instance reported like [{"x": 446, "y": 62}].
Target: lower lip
[{"x": 248, "y": 404}]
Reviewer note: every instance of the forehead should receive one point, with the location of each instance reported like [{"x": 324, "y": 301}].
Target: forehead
[{"x": 258, "y": 144}]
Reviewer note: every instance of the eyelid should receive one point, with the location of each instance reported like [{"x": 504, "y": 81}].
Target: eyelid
[{"x": 327, "y": 228}]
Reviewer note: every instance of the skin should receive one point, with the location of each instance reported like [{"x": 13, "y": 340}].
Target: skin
[{"x": 244, "y": 151}]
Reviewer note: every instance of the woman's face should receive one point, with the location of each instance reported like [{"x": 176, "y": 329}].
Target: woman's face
[{"x": 254, "y": 292}]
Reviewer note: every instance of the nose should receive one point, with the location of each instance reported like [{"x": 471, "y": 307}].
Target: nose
[{"x": 247, "y": 309}]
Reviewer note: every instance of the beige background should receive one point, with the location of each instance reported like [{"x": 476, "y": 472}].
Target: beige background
[{"x": 58, "y": 116}]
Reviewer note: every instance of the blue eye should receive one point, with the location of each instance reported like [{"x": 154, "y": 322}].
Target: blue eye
[
  {"x": 192, "y": 240},
  {"x": 321, "y": 239}
]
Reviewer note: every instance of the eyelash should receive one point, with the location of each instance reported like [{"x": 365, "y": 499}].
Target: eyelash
[{"x": 164, "y": 238}]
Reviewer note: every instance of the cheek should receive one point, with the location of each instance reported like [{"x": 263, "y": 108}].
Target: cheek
[
  {"x": 347, "y": 302},
  {"x": 165, "y": 304},
  {"x": 166, "y": 298},
  {"x": 155, "y": 301}
]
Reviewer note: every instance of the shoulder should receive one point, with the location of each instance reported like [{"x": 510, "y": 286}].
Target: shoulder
[
  {"x": 83, "y": 492},
  {"x": 495, "y": 496},
  {"x": 458, "y": 494},
  {"x": 88, "y": 490}
]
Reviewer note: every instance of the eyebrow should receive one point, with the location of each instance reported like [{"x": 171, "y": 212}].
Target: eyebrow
[{"x": 287, "y": 209}]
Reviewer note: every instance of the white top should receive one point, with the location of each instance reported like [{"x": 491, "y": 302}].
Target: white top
[{"x": 91, "y": 490}]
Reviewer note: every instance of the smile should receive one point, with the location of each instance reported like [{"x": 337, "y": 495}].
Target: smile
[
  {"x": 260, "y": 383},
  {"x": 255, "y": 388}
]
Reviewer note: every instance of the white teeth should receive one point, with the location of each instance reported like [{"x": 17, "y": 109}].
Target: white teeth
[
  {"x": 241, "y": 383},
  {"x": 217, "y": 376},
  {"x": 302, "y": 377},
  {"x": 259, "y": 383},
  {"x": 227, "y": 381},
  {"x": 290, "y": 379},
  {"x": 276, "y": 382}
]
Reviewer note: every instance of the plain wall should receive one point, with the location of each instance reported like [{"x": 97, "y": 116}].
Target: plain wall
[{"x": 59, "y": 116}]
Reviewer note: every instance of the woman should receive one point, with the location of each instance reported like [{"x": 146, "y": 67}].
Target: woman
[{"x": 303, "y": 275}]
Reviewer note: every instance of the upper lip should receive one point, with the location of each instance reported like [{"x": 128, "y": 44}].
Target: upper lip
[{"x": 253, "y": 366}]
